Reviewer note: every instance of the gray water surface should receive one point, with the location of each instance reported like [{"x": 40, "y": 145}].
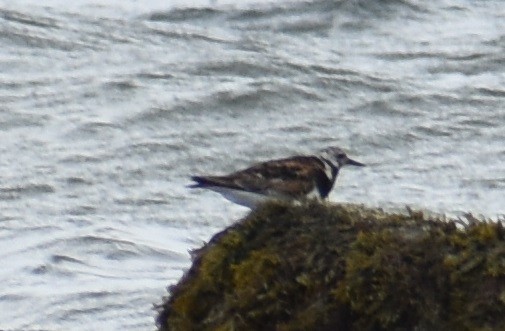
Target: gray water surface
[{"x": 106, "y": 110}]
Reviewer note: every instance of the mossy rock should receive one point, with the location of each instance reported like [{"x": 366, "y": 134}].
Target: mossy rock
[{"x": 343, "y": 267}]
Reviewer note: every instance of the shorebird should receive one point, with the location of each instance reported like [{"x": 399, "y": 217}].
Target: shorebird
[{"x": 295, "y": 178}]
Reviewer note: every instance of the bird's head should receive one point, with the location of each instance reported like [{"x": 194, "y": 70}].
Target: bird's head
[{"x": 338, "y": 157}]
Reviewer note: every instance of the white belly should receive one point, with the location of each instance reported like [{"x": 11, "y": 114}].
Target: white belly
[
  {"x": 244, "y": 198},
  {"x": 251, "y": 199}
]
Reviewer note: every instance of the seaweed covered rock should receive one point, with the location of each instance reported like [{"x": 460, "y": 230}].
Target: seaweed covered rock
[{"x": 343, "y": 267}]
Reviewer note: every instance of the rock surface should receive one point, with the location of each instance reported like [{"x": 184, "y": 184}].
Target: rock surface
[{"x": 343, "y": 267}]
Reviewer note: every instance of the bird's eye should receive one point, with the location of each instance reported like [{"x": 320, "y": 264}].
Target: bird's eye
[{"x": 341, "y": 155}]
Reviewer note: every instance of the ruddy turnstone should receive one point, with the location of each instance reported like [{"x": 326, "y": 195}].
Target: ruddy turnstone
[{"x": 294, "y": 179}]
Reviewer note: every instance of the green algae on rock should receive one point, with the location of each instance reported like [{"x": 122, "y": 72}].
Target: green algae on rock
[{"x": 343, "y": 267}]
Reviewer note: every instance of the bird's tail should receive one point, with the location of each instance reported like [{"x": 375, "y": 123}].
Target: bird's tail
[{"x": 200, "y": 181}]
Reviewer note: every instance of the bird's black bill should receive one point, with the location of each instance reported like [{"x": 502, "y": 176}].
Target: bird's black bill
[{"x": 355, "y": 163}]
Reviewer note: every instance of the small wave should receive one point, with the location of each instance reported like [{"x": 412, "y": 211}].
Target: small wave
[
  {"x": 10, "y": 120},
  {"x": 470, "y": 64},
  {"x": 77, "y": 181},
  {"x": 433, "y": 130},
  {"x": 141, "y": 202},
  {"x": 292, "y": 23},
  {"x": 333, "y": 71},
  {"x": 476, "y": 123},
  {"x": 37, "y": 21},
  {"x": 489, "y": 183},
  {"x": 408, "y": 55},
  {"x": 81, "y": 158},
  {"x": 183, "y": 14},
  {"x": 57, "y": 259},
  {"x": 466, "y": 57},
  {"x": 149, "y": 147},
  {"x": 297, "y": 13},
  {"x": 385, "y": 108},
  {"x": 81, "y": 210},
  {"x": 307, "y": 24},
  {"x": 236, "y": 67},
  {"x": 244, "y": 98},
  {"x": 119, "y": 249},
  {"x": 440, "y": 98},
  {"x": 351, "y": 83},
  {"x": 377, "y": 9},
  {"x": 16, "y": 192},
  {"x": 51, "y": 268},
  {"x": 493, "y": 92},
  {"x": 159, "y": 114},
  {"x": 123, "y": 85},
  {"x": 93, "y": 129},
  {"x": 12, "y": 298},
  {"x": 97, "y": 126},
  {"x": 36, "y": 39},
  {"x": 155, "y": 75},
  {"x": 190, "y": 34}
]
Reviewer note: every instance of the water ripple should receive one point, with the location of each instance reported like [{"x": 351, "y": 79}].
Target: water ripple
[{"x": 21, "y": 191}]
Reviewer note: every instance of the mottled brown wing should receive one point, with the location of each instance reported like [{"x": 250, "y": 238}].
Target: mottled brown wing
[{"x": 292, "y": 177}]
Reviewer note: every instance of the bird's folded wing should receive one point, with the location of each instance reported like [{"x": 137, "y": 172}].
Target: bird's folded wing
[{"x": 291, "y": 177}]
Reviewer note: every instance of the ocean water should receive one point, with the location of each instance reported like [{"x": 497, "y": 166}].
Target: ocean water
[{"x": 107, "y": 109}]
